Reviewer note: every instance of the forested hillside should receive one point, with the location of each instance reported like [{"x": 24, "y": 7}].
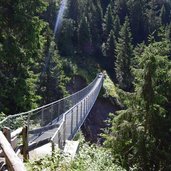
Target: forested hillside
[{"x": 130, "y": 39}]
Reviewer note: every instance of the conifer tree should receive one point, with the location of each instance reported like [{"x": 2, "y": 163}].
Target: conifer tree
[
  {"x": 67, "y": 39},
  {"x": 163, "y": 15},
  {"x": 52, "y": 79},
  {"x": 108, "y": 22},
  {"x": 121, "y": 9},
  {"x": 95, "y": 20},
  {"x": 84, "y": 37},
  {"x": 124, "y": 53},
  {"x": 153, "y": 19},
  {"x": 108, "y": 50},
  {"x": 168, "y": 32},
  {"x": 20, "y": 54},
  {"x": 138, "y": 20},
  {"x": 140, "y": 134},
  {"x": 73, "y": 9},
  {"x": 117, "y": 27}
]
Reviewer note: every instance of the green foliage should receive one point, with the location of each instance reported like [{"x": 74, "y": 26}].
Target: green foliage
[
  {"x": 89, "y": 158},
  {"x": 108, "y": 21},
  {"x": 48, "y": 163},
  {"x": 94, "y": 34},
  {"x": 31, "y": 71},
  {"x": 124, "y": 53},
  {"x": 2, "y": 116},
  {"x": 67, "y": 38},
  {"x": 139, "y": 135},
  {"x": 94, "y": 158},
  {"x": 84, "y": 37},
  {"x": 110, "y": 89},
  {"x": 52, "y": 79},
  {"x": 108, "y": 50},
  {"x": 86, "y": 68},
  {"x": 22, "y": 44}
]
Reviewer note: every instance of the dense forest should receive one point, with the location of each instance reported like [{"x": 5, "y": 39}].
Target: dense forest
[{"x": 130, "y": 39}]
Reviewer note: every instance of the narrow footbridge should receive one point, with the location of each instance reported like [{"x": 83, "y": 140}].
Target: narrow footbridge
[{"x": 58, "y": 121}]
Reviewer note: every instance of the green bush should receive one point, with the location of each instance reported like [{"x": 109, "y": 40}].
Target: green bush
[{"x": 89, "y": 158}]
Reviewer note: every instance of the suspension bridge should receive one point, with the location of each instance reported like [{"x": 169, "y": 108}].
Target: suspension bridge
[{"x": 58, "y": 121}]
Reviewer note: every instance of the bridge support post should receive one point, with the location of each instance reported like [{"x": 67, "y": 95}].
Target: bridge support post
[
  {"x": 42, "y": 117},
  {"x": 77, "y": 117},
  {"x": 25, "y": 150},
  {"x": 59, "y": 140},
  {"x": 64, "y": 130},
  {"x": 84, "y": 107},
  {"x": 59, "y": 109},
  {"x": 28, "y": 119},
  {"x": 88, "y": 102},
  {"x": 71, "y": 121},
  {"x": 53, "y": 147},
  {"x": 7, "y": 133},
  {"x": 81, "y": 114},
  {"x": 51, "y": 114}
]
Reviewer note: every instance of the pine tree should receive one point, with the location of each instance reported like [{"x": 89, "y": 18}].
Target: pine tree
[
  {"x": 121, "y": 9},
  {"x": 138, "y": 20},
  {"x": 84, "y": 37},
  {"x": 108, "y": 50},
  {"x": 108, "y": 22},
  {"x": 117, "y": 27},
  {"x": 52, "y": 79},
  {"x": 124, "y": 53},
  {"x": 163, "y": 15},
  {"x": 140, "y": 135},
  {"x": 152, "y": 16},
  {"x": 22, "y": 43},
  {"x": 73, "y": 9},
  {"x": 168, "y": 32},
  {"x": 67, "y": 39},
  {"x": 95, "y": 18}
]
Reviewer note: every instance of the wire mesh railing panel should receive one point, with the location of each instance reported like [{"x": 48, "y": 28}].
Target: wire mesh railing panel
[
  {"x": 35, "y": 120},
  {"x": 68, "y": 123},
  {"x": 75, "y": 116}
]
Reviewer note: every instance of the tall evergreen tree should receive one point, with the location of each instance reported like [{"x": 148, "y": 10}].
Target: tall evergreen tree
[
  {"x": 138, "y": 20},
  {"x": 84, "y": 37},
  {"x": 163, "y": 15},
  {"x": 73, "y": 9},
  {"x": 140, "y": 135},
  {"x": 52, "y": 80},
  {"x": 96, "y": 19},
  {"x": 121, "y": 9},
  {"x": 117, "y": 26},
  {"x": 108, "y": 22},
  {"x": 108, "y": 50},
  {"x": 68, "y": 38},
  {"x": 124, "y": 53},
  {"x": 20, "y": 54},
  {"x": 153, "y": 18}
]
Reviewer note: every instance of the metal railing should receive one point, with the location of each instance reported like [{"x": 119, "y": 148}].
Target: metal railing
[
  {"x": 67, "y": 114},
  {"x": 75, "y": 116}
]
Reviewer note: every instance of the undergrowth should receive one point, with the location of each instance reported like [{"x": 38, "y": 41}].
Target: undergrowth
[
  {"x": 110, "y": 89},
  {"x": 89, "y": 158}
]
